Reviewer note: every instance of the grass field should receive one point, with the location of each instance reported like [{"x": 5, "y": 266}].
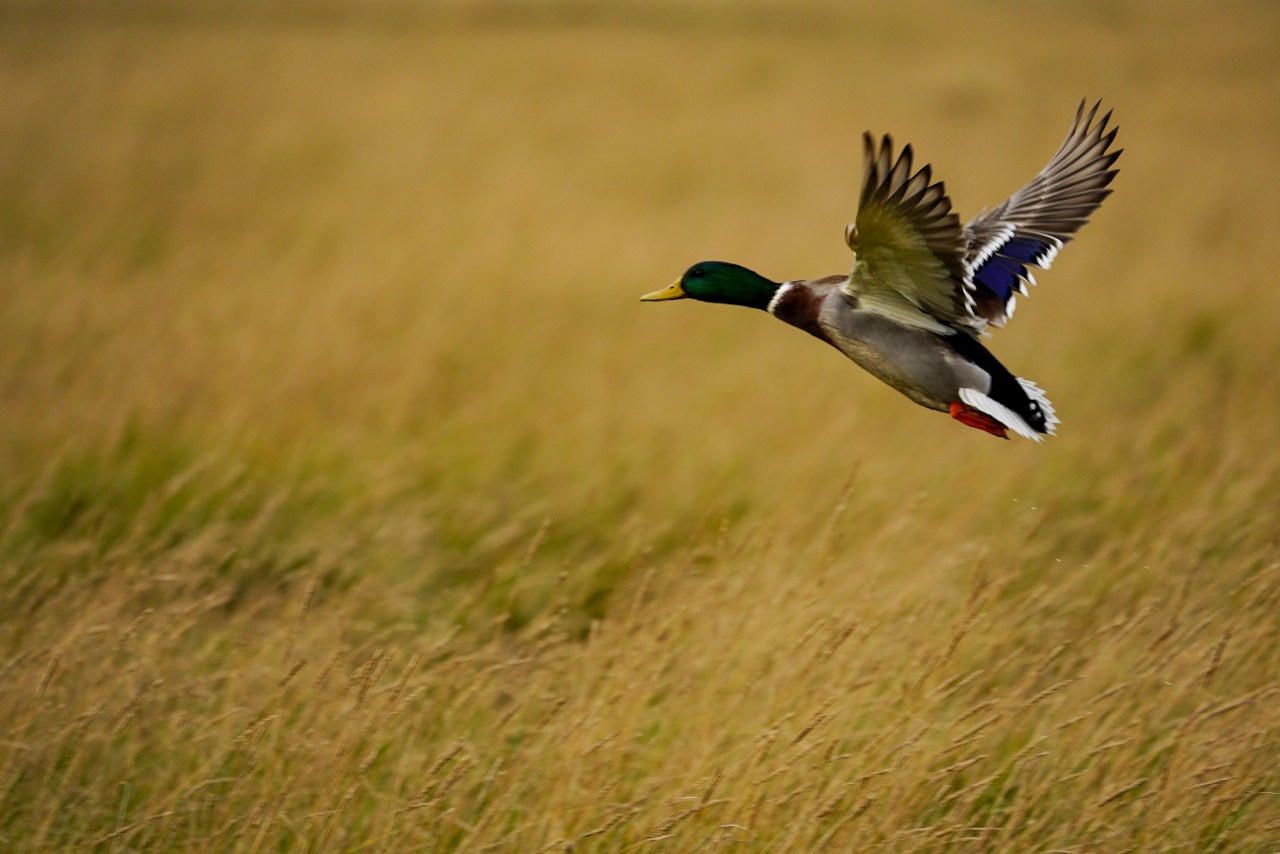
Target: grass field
[{"x": 351, "y": 501}]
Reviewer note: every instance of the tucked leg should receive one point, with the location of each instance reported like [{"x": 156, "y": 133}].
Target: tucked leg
[{"x": 973, "y": 418}]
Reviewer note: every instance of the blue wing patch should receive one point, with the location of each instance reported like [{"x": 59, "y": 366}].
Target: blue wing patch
[
  {"x": 1005, "y": 269},
  {"x": 1000, "y": 275},
  {"x": 1030, "y": 250}
]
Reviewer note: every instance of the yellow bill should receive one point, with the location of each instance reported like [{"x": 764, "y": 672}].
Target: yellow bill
[{"x": 674, "y": 291}]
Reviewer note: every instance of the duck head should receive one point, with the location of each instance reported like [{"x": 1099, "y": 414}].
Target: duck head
[{"x": 717, "y": 281}]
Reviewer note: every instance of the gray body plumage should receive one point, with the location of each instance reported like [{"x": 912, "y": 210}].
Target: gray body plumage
[{"x": 915, "y": 361}]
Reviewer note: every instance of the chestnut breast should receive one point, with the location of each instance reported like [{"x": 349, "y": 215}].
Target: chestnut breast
[{"x": 800, "y": 303}]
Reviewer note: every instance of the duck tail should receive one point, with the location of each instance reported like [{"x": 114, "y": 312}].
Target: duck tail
[
  {"x": 1040, "y": 403},
  {"x": 975, "y": 403}
]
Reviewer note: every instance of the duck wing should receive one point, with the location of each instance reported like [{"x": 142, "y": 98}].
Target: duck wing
[
  {"x": 910, "y": 248},
  {"x": 1034, "y": 223}
]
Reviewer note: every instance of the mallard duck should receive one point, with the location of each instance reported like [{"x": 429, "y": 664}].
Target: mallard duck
[{"x": 923, "y": 288}]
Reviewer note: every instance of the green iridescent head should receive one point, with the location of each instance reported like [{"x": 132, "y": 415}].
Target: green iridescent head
[{"x": 716, "y": 281}]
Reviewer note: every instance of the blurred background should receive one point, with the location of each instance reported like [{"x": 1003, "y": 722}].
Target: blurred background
[{"x": 329, "y": 310}]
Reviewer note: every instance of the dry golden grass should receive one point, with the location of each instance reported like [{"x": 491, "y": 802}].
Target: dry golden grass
[{"x": 350, "y": 501}]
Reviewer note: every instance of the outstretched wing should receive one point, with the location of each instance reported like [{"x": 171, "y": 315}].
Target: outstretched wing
[
  {"x": 1038, "y": 220},
  {"x": 909, "y": 246}
]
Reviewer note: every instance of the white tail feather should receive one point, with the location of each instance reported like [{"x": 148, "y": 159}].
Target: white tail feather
[{"x": 1037, "y": 396}]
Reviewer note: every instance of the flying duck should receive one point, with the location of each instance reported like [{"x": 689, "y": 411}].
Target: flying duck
[{"x": 923, "y": 288}]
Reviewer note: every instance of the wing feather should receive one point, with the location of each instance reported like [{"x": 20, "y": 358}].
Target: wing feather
[
  {"x": 1034, "y": 223},
  {"x": 910, "y": 247}
]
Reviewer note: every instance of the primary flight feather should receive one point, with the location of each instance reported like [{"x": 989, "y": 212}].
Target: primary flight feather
[{"x": 923, "y": 288}]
